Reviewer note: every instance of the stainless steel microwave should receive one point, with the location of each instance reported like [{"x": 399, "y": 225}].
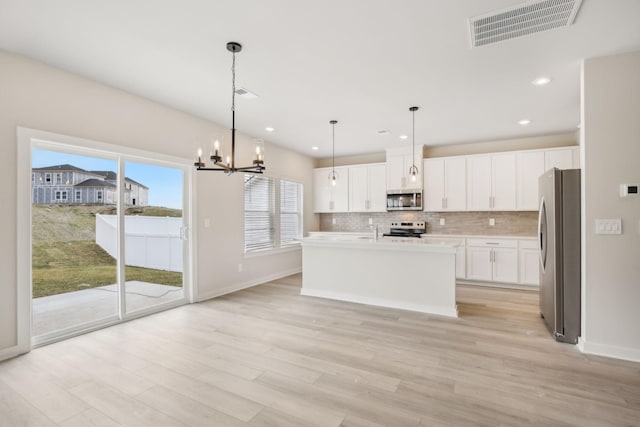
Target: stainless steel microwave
[{"x": 404, "y": 200}]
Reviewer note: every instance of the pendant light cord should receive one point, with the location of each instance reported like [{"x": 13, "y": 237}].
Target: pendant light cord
[
  {"x": 333, "y": 148},
  {"x": 413, "y": 138},
  {"x": 233, "y": 83}
]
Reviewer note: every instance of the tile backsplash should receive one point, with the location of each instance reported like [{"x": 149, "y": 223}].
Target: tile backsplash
[{"x": 474, "y": 223}]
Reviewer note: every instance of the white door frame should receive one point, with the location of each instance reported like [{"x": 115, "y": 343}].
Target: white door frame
[{"x": 29, "y": 139}]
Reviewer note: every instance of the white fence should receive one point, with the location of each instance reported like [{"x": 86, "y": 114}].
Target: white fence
[{"x": 149, "y": 241}]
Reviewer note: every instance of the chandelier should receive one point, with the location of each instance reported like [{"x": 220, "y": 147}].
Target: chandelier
[
  {"x": 229, "y": 165},
  {"x": 333, "y": 176}
]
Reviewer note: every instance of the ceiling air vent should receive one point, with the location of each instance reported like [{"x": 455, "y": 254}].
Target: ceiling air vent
[{"x": 522, "y": 20}]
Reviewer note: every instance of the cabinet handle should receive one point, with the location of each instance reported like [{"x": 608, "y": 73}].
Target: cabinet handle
[
  {"x": 366, "y": 204},
  {"x": 331, "y": 205},
  {"x": 446, "y": 203},
  {"x": 442, "y": 202}
]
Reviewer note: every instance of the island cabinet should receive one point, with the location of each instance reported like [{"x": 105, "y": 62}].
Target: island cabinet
[
  {"x": 491, "y": 182},
  {"x": 399, "y": 161},
  {"x": 326, "y": 197},
  {"x": 445, "y": 184},
  {"x": 367, "y": 188},
  {"x": 492, "y": 260}
]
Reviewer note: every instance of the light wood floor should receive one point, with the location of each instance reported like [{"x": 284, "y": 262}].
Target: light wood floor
[{"x": 268, "y": 357}]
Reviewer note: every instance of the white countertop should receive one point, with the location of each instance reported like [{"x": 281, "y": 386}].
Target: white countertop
[
  {"x": 347, "y": 234},
  {"x": 366, "y": 241}
]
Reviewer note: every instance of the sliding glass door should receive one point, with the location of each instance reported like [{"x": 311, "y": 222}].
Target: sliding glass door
[
  {"x": 153, "y": 235},
  {"x": 108, "y": 238}
]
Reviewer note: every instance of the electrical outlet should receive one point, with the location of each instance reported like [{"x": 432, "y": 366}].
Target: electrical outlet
[
  {"x": 442, "y": 221},
  {"x": 333, "y": 221},
  {"x": 492, "y": 221},
  {"x": 240, "y": 268},
  {"x": 207, "y": 223}
]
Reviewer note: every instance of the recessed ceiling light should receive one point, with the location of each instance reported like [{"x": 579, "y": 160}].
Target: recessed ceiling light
[
  {"x": 314, "y": 148},
  {"x": 524, "y": 122},
  {"x": 269, "y": 129},
  {"x": 541, "y": 81},
  {"x": 403, "y": 137}
]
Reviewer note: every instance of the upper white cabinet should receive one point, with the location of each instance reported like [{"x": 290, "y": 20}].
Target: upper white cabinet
[
  {"x": 564, "y": 158},
  {"x": 399, "y": 161},
  {"x": 445, "y": 184},
  {"x": 367, "y": 188},
  {"x": 491, "y": 183},
  {"x": 529, "y": 166},
  {"x": 329, "y": 198}
]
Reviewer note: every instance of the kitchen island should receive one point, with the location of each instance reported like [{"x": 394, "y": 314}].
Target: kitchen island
[{"x": 410, "y": 274}]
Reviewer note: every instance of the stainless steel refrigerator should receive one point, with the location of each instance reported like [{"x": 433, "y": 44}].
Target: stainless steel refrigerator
[{"x": 559, "y": 245}]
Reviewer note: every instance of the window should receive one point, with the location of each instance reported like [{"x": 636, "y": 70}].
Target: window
[
  {"x": 99, "y": 195},
  {"x": 58, "y": 195},
  {"x": 58, "y": 178},
  {"x": 290, "y": 212},
  {"x": 259, "y": 213},
  {"x": 47, "y": 178},
  {"x": 64, "y": 195},
  {"x": 78, "y": 195}
]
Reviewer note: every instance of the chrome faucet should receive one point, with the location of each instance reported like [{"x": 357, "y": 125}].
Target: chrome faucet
[{"x": 374, "y": 228}]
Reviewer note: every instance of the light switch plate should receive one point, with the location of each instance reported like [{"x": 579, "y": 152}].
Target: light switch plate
[
  {"x": 333, "y": 221},
  {"x": 608, "y": 226},
  {"x": 492, "y": 221},
  {"x": 442, "y": 221}
]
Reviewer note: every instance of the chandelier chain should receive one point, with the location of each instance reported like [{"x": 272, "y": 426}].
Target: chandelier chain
[{"x": 233, "y": 83}]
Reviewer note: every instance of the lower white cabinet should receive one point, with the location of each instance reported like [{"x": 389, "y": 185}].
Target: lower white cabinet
[
  {"x": 492, "y": 260},
  {"x": 529, "y": 264}
]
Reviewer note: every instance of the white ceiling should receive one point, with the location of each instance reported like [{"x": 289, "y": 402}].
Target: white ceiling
[{"x": 361, "y": 62}]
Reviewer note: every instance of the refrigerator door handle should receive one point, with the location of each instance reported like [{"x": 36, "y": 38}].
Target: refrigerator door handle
[{"x": 542, "y": 234}]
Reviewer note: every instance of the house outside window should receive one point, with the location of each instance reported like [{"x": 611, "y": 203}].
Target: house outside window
[
  {"x": 99, "y": 195},
  {"x": 78, "y": 195},
  {"x": 64, "y": 196},
  {"x": 47, "y": 178},
  {"x": 58, "y": 196},
  {"x": 58, "y": 178}
]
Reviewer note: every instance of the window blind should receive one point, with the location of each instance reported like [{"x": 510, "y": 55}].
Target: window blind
[
  {"x": 290, "y": 212},
  {"x": 259, "y": 212}
]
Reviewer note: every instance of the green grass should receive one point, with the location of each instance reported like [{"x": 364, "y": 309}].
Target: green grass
[
  {"x": 66, "y": 258},
  {"x": 60, "y": 267}
]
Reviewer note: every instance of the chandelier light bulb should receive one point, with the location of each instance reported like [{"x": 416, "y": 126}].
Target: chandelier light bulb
[{"x": 333, "y": 180}]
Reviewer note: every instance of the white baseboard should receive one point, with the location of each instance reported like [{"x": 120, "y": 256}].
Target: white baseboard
[
  {"x": 498, "y": 285},
  {"x": 11, "y": 352},
  {"x": 624, "y": 353},
  {"x": 248, "y": 284},
  {"x": 441, "y": 311}
]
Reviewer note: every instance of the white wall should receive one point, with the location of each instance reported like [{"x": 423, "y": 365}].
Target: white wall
[
  {"x": 35, "y": 95},
  {"x": 611, "y": 156}
]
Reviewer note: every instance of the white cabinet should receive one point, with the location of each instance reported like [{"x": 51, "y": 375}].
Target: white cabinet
[
  {"x": 445, "y": 184},
  {"x": 565, "y": 158},
  {"x": 491, "y": 182},
  {"x": 461, "y": 265},
  {"x": 399, "y": 161},
  {"x": 329, "y": 198},
  {"x": 529, "y": 167},
  {"x": 529, "y": 270},
  {"x": 492, "y": 260},
  {"x": 367, "y": 188}
]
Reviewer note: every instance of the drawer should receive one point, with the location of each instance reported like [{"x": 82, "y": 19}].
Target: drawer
[
  {"x": 528, "y": 244},
  {"x": 493, "y": 243}
]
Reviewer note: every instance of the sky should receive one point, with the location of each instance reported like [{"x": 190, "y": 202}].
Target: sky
[{"x": 165, "y": 184}]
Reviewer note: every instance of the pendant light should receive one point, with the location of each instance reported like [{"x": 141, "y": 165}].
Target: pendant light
[
  {"x": 333, "y": 176},
  {"x": 413, "y": 170},
  {"x": 229, "y": 166}
]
